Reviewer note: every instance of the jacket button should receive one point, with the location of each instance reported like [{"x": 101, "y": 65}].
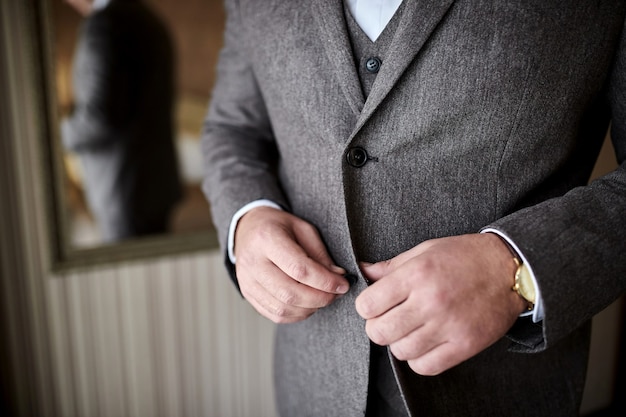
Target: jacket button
[
  {"x": 356, "y": 157},
  {"x": 373, "y": 65}
]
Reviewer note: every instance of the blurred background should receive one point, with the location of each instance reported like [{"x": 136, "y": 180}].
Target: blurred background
[{"x": 195, "y": 28}]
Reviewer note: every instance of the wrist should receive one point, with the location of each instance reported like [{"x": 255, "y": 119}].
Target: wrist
[
  {"x": 234, "y": 223},
  {"x": 508, "y": 266}
]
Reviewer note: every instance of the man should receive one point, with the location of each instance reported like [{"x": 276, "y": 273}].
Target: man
[
  {"x": 438, "y": 168},
  {"x": 122, "y": 125}
]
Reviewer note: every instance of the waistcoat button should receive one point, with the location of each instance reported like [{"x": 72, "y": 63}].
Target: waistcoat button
[{"x": 373, "y": 64}]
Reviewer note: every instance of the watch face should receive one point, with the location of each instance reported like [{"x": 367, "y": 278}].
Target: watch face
[{"x": 524, "y": 281}]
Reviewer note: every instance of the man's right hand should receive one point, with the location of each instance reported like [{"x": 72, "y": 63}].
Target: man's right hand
[{"x": 283, "y": 267}]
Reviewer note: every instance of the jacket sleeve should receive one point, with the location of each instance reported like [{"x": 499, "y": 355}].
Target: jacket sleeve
[
  {"x": 239, "y": 152},
  {"x": 576, "y": 243}
]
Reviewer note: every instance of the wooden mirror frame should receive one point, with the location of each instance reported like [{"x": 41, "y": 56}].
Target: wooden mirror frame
[{"x": 63, "y": 254}]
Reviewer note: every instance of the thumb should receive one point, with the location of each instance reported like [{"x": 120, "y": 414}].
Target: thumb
[
  {"x": 378, "y": 270},
  {"x": 374, "y": 272},
  {"x": 309, "y": 240}
]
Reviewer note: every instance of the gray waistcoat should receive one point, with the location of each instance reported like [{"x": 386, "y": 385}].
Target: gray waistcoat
[{"x": 384, "y": 396}]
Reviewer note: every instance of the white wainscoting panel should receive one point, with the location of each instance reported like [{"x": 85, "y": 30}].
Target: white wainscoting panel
[{"x": 169, "y": 337}]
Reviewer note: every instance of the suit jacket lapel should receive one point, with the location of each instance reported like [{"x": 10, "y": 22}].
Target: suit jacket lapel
[
  {"x": 331, "y": 22},
  {"x": 418, "y": 21}
]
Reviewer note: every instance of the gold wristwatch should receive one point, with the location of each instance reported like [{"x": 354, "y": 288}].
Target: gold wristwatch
[{"x": 524, "y": 285}]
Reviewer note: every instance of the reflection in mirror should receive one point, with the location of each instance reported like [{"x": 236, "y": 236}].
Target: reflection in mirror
[{"x": 130, "y": 169}]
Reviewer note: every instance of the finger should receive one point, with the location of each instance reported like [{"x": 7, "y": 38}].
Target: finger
[
  {"x": 374, "y": 272},
  {"x": 280, "y": 286},
  {"x": 394, "y": 325},
  {"x": 293, "y": 260},
  {"x": 290, "y": 292},
  {"x": 309, "y": 239},
  {"x": 380, "y": 298},
  {"x": 270, "y": 234},
  {"x": 270, "y": 307},
  {"x": 417, "y": 343},
  {"x": 439, "y": 359},
  {"x": 282, "y": 317},
  {"x": 378, "y": 270}
]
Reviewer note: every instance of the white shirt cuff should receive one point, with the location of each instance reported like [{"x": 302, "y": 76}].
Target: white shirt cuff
[
  {"x": 537, "y": 312},
  {"x": 238, "y": 215}
]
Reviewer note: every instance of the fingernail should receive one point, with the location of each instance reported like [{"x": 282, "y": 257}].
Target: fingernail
[
  {"x": 364, "y": 264},
  {"x": 342, "y": 288},
  {"x": 337, "y": 269}
]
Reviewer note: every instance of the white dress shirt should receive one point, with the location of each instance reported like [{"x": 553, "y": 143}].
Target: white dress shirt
[
  {"x": 372, "y": 16},
  {"x": 99, "y": 4}
]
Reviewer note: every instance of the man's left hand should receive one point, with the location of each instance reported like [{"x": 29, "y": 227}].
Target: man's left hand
[{"x": 441, "y": 302}]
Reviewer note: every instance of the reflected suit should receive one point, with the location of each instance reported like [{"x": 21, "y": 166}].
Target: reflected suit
[{"x": 122, "y": 125}]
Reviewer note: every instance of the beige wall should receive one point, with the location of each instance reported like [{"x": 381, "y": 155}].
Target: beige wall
[{"x": 161, "y": 337}]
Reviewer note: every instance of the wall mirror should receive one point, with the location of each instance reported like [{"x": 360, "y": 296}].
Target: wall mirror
[{"x": 195, "y": 32}]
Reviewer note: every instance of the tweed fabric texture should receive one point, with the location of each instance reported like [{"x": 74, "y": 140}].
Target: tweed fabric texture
[{"x": 485, "y": 113}]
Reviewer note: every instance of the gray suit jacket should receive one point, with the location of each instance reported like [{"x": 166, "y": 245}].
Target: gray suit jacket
[
  {"x": 484, "y": 113},
  {"x": 122, "y": 124}
]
